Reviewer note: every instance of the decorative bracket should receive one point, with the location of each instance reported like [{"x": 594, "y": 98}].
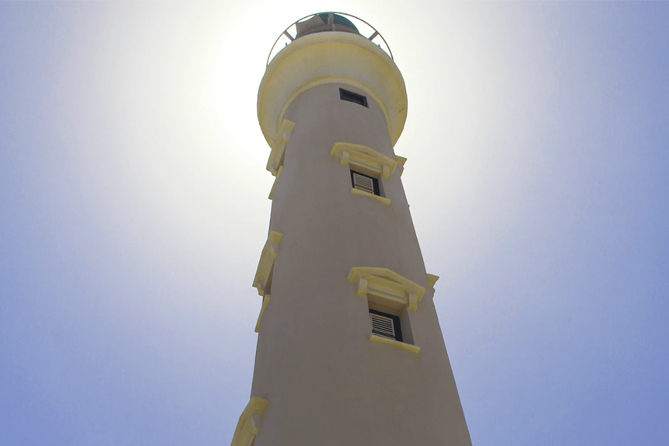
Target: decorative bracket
[
  {"x": 279, "y": 146},
  {"x": 269, "y": 253},
  {"x": 249, "y": 422},
  {"x": 265, "y": 301},
  {"x": 278, "y": 174},
  {"x": 364, "y": 157},
  {"x": 386, "y": 284},
  {"x": 400, "y": 163}
]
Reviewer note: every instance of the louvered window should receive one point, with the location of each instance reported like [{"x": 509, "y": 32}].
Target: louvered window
[
  {"x": 349, "y": 96},
  {"x": 365, "y": 183},
  {"x": 385, "y": 324}
]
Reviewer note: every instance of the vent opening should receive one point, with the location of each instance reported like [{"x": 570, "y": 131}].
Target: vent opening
[
  {"x": 385, "y": 324},
  {"x": 365, "y": 183},
  {"x": 356, "y": 98}
]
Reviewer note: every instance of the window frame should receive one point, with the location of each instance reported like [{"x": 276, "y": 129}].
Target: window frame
[
  {"x": 351, "y": 96},
  {"x": 397, "y": 324},
  {"x": 375, "y": 182}
]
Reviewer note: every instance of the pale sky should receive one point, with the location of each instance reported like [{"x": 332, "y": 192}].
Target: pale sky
[{"x": 134, "y": 207}]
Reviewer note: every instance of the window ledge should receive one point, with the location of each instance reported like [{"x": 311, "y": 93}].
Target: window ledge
[
  {"x": 381, "y": 340},
  {"x": 383, "y": 200}
]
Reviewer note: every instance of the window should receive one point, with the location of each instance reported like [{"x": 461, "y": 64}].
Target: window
[
  {"x": 385, "y": 324},
  {"x": 390, "y": 300},
  {"x": 367, "y": 168},
  {"x": 349, "y": 96},
  {"x": 390, "y": 324},
  {"x": 365, "y": 183}
]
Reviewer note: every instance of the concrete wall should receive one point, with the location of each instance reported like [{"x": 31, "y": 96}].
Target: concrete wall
[{"x": 326, "y": 383}]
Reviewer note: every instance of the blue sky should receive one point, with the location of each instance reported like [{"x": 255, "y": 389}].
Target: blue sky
[{"x": 134, "y": 208}]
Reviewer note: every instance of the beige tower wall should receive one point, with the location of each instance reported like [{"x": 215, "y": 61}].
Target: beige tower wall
[{"x": 325, "y": 381}]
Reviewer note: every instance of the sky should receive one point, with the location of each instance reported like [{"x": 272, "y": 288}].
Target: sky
[{"x": 133, "y": 209}]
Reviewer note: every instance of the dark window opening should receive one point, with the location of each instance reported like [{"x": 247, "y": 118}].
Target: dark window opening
[
  {"x": 365, "y": 183},
  {"x": 386, "y": 325},
  {"x": 349, "y": 96}
]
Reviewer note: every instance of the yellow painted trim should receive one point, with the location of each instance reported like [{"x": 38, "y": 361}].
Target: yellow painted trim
[
  {"x": 279, "y": 142},
  {"x": 381, "y": 340},
  {"x": 383, "y": 200},
  {"x": 365, "y": 157},
  {"x": 400, "y": 163},
  {"x": 278, "y": 174},
  {"x": 269, "y": 253},
  {"x": 386, "y": 284},
  {"x": 249, "y": 422},
  {"x": 265, "y": 302},
  {"x": 326, "y": 58},
  {"x": 432, "y": 279}
]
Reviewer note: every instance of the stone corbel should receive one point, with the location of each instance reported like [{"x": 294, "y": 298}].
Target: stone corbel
[
  {"x": 362, "y": 287},
  {"x": 265, "y": 301},
  {"x": 269, "y": 253},
  {"x": 413, "y": 301},
  {"x": 276, "y": 178},
  {"x": 400, "y": 163},
  {"x": 279, "y": 143},
  {"x": 249, "y": 422}
]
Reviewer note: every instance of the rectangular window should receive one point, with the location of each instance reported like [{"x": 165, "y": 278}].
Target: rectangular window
[
  {"x": 349, "y": 96},
  {"x": 385, "y": 324},
  {"x": 365, "y": 183}
]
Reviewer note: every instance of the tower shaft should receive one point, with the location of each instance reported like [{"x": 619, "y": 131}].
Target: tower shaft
[{"x": 350, "y": 351}]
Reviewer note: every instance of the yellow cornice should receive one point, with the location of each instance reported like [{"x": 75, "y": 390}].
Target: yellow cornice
[
  {"x": 325, "y": 58},
  {"x": 365, "y": 157},
  {"x": 387, "y": 284}
]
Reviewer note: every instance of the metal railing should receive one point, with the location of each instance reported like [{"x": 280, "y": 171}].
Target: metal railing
[{"x": 336, "y": 21}]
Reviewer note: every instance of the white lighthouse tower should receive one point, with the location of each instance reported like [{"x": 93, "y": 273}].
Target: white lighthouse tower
[{"x": 350, "y": 352}]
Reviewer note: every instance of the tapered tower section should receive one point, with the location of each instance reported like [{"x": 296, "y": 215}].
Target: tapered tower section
[{"x": 350, "y": 352}]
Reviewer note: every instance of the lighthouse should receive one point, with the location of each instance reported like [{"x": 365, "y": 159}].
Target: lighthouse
[{"x": 350, "y": 351}]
